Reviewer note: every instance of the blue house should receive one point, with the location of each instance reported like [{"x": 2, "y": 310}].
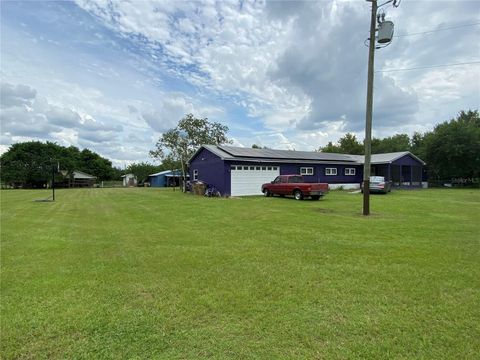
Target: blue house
[
  {"x": 165, "y": 178},
  {"x": 237, "y": 171}
]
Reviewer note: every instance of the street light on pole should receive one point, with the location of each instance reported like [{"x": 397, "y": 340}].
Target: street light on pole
[{"x": 385, "y": 34}]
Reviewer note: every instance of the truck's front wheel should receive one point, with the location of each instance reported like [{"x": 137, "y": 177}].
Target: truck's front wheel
[
  {"x": 267, "y": 193},
  {"x": 297, "y": 194}
]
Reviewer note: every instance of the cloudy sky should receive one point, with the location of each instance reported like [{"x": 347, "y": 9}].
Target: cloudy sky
[{"x": 111, "y": 76}]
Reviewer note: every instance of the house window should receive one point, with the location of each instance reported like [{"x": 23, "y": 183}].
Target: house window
[
  {"x": 275, "y": 168},
  {"x": 195, "y": 175},
  {"x": 306, "y": 170},
  {"x": 258, "y": 168},
  {"x": 349, "y": 171},
  {"x": 233, "y": 167},
  {"x": 269, "y": 168},
  {"x": 252, "y": 167},
  {"x": 264, "y": 168},
  {"x": 330, "y": 171}
]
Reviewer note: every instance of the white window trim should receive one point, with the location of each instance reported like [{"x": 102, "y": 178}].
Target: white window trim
[
  {"x": 350, "y": 171},
  {"x": 330, "y": 171},
  {"x": 195, "y": 175},
  {"x": 305, "y": 171}
]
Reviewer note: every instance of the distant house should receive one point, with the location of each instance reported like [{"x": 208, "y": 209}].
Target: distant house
[
  {"x": 129, "y": 180},
  {"x": 81, "y": 179},
  {"x": 236, "y": 171},
  {"x": 165, "y": 178}
]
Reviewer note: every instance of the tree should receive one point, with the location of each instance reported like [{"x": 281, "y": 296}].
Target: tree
[
  {"x": 169, "y": 163},
  {"x": 94, "y": 164},
  {"x": 418, "y": 144},
  {"x": 330, "y": 148},
  {"x": 181, "y": 142},
  {"x": 142, "y": 170},
  {"x": 29, "y": 164},
  {"x": 395, "y": 143},
  {"x": 348, "y": 144},
  {"x": 453, "y": 148}
]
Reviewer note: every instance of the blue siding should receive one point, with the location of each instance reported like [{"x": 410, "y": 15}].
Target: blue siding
[
  {"x": 407, "y": 160},
  {"x": 318, "y": 171},
  {"x": 157, "y": 181},
  {"x": 162, "y": 180},
  {"x": 211, "y": 170}
]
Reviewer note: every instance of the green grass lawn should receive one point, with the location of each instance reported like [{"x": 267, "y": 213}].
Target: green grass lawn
[{"x": 151, "y": 273}]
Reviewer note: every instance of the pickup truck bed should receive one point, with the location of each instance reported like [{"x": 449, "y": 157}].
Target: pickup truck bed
[{"x": 296, "y": 186}]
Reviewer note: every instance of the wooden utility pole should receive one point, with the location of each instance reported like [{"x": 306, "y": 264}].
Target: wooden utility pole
[{"x": 368, "y": 121}]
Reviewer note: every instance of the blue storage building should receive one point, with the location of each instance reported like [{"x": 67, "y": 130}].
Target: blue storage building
[{"x": 165, "y": 178}]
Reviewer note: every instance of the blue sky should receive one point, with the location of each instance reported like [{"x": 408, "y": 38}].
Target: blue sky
[{"x": 111, "y": 76}]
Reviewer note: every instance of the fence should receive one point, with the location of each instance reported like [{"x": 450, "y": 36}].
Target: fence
[{"x": 456, "y": 183}]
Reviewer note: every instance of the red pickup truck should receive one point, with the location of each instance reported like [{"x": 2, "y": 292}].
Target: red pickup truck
[{"x": 296, "y": 186}]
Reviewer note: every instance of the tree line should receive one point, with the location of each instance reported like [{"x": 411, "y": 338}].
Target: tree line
[
  {"x": 451, "y": 149},
  {"x": 30, "y": 165}
]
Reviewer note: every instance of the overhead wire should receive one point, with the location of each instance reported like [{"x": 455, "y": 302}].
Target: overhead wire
[
  {"x": 430, "y": 66},
  {"x": 436, "y": 30}
]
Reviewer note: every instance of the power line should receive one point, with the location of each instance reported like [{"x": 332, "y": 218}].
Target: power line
[
  {"x": 429, "y": 67},
  {"x": 441, "y": 29}
]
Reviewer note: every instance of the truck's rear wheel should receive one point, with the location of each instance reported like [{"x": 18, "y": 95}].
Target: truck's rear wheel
[{"x": 297, "y": 194}]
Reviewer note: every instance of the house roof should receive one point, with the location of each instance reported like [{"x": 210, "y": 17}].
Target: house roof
[
  {"x": 161, "y": 173},
  {"x": 386, "y": 158},
  {"x": 81, "y": 175},
  {"x": 269, "y": 155},
  {"x": 165, "y": 172}
]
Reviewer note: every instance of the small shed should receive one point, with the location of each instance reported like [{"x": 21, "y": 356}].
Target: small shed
[
  {"x": 129, "y": 180},
  {"x": 165, "y": 178}
]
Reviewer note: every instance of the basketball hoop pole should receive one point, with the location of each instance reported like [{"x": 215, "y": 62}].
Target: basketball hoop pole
[{"x": 53, "y": 182}]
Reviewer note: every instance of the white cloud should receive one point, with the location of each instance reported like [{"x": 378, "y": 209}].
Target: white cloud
[
  {"x": 18, "y": 95},
  {"x": 24, "y": 115},
  {"x": 284, "y": 74},
  {"x": 231, "y": 51}
]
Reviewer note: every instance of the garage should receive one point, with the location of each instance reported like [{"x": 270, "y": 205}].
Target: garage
[{"x": 248, "y": 179}]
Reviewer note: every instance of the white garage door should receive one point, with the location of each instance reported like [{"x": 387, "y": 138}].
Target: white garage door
[{"x": 248, "y": 180}]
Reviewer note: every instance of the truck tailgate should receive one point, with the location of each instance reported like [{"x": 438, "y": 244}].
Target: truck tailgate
[{"x": 319, "y": 187}]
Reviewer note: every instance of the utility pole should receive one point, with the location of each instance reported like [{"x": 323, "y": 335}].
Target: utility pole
[
  {"x": 368, "y": 121},
  {"x": 385, "y": 35}
]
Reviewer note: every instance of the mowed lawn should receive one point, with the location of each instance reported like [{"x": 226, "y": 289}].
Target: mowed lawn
[{"x": 156, "y": 274}]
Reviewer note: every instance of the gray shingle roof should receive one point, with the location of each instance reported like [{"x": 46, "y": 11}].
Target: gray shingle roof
[
  {"x": 77, "y": 174},
  {"x": 386, "y": 158}
]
